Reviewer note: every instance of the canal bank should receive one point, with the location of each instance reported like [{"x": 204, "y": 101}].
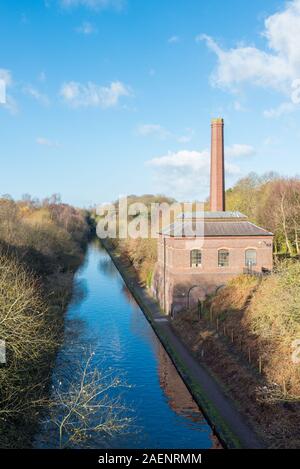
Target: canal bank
[{"x": 222, "y": 413}]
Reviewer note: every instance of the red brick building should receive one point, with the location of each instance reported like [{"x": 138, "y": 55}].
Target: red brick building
[{"x": 202, "y": 251}]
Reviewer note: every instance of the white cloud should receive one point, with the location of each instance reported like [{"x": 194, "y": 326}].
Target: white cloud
[
  {"x": 93, "y": 4},
  {"x": 86, "y": 28},
  {"x": 6, "y": 100},
  {"x": 277, "y": 67},
  {"x": 184, "y": 139},
  {"x": 11, "y": 105},
  {"x": 174, "y": 40},
  {"x": 2, "y": 91},
  {"x": 155, "y": 130},
  {"x": 6, "y": 76},
  {"x": 238, "y": 106},
  {"x": 185, "y": 174},
  {"x": 5, "y": 82},
  {"x": 158, "y": 131},
  {"x": 187, "y": 137},
  {"x": 43, "y": 99},
  {"x": 271, "y": 141},
  {"x": 238, "y": 150},
  {"x": 93, "y": 95},
  {"x": 183, "y": 159},
  {"x": 46, "y": 142},
  {"x": 296, "y": 91},
  {"x": 283, "y": 108},
  {"x": 232, "y": 169}
]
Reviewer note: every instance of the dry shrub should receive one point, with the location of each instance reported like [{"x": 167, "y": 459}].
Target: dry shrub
[
  {"x": 22, "y": 312},
  {"x": 54, "y": 242},
  {"x": 265, "y": 315},
  {"x": 142, "y": 253},
  {"x": 48, "y": 240},
  {"x": 234, "y": 296},
  {"x": 274, "y": 318},
  {"x": 55, "y": 230},
  {"x": 36, "y": 217},
  {"x": 30, "y": 335}
]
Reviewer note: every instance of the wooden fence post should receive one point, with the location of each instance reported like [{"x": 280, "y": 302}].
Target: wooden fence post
[
  {"x": 260, "y": 364},
  {"x": 199, "y": 310},
  {"x": 210, "y": 313},
  {"x": 249, "y": 354},
  {"x": 284, "y": 388}
]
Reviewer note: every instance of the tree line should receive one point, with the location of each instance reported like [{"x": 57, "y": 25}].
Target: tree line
[{"x": 273, "y": 202}]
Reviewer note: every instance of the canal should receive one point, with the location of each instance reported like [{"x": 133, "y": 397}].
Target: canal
[{"x": 103, "y": 319}]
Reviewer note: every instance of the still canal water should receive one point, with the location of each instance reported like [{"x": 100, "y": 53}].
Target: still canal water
[{"x": 104, "y": 317}]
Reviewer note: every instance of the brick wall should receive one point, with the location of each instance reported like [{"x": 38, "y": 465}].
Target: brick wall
[{"x": 179, "y": 276}]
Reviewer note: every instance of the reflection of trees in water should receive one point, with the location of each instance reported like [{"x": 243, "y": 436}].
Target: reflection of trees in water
[
  {"x": 179, "y": 397},
  {"x": 107, "y": 267},
  {"x": 137, "y": 319},
  {"x": 129, "y": 297},
  {"x": 79, "y": 292},
  {"x": 74, "y": 330},
  {"x": 77, "y": 345},
  {"x": 138, "y": 325}
]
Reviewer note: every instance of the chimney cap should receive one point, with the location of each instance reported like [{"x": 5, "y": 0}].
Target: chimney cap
[{"x": 217, "y": 120}]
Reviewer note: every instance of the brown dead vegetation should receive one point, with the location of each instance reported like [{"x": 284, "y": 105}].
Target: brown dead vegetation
[
  {"x": 265, "y": 314},
  {"x": 245, "y": 338},
  {"x": 41, "y": 244}
]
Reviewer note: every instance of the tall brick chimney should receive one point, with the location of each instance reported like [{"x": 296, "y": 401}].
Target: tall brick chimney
[{"x": 217, "y": 185}]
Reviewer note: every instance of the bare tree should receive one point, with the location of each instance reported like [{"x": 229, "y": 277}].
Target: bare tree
[
  {"x": 22, "y": 312},
  {"x": 82, "y": 407}
]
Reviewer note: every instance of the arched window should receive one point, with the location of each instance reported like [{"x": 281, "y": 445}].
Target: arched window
[
  {"x": 196, "y": 258},
  {"x": 223, "y": 258},
  {"x": 250, "y": 257}
]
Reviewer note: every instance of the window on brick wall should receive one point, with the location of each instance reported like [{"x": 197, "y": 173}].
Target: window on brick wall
[
  {"x": 223, "y": 258},
  {"x": 250, "y": 257},
  {"x": 196, "y": 258}
]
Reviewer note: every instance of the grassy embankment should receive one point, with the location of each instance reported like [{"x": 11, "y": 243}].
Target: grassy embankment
[{"x": 41, "y": 245}]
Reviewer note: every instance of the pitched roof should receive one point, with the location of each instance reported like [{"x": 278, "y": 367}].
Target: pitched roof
[
  {"x": 214, "y": 229},
  {"x": 211, "y": 215}
]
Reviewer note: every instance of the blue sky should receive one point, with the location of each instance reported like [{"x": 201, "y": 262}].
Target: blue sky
[{"x": 111, "y": 97}]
